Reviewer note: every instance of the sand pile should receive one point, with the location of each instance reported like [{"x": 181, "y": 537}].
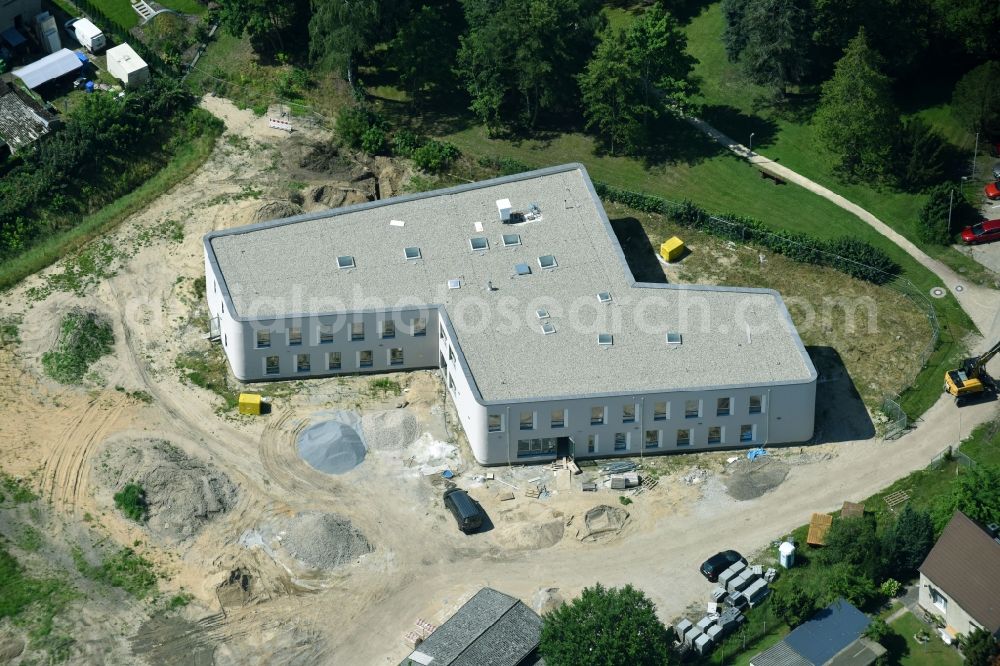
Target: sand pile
[
  {"x": 389, "y": 430},
  {"x": 531, "y": 536},
  {"x": 324, "y": 540},
  {"x": 601, "y": 521},
  {"x": 182, "y": 493},
  {"x": 753, "y": 478},
  {"x": 331, "y": 446}
]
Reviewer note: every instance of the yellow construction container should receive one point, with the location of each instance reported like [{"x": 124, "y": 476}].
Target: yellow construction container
[
  {"x": 672, "y": 249},
  {"x": 249, "y": 403}
]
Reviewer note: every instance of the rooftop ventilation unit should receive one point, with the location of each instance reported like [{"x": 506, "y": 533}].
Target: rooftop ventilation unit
[
  {"x": 674, "y": 339},
  {"x": 503, "y": 206},
  {"x": 454, "y": 284},
  {"x": 346, "y": 261},
  {"x": 548, "y": 328},
  {"x": 605, "y": 339},
  {"x": 397, "y": 223},
  {"x": 479, "y": 227}
]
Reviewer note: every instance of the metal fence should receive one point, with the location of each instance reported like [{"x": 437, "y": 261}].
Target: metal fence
[{"x": 897, "y": 419}]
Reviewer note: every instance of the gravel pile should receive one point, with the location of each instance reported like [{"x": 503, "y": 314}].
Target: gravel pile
[
  {"x": 182, "y": 493},
  {"x": 753, "y": 478},
  {"x": 389, "y": 430},
  {"x": 331, "y": 446},
  {"x": 324, "y": 540}
]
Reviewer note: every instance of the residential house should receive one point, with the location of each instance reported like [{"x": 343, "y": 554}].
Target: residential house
[{"x": 832, "y": 637}]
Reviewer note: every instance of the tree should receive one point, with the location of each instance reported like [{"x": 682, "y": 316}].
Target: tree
[
  {"x": 854, "y": 541},
  {"x": 607, "y": 626},
  {"x": 976, "y": 98},
  {"x": 341, "y": 31},
  {"x": 979, "y": 648},
  {"x": 877, "y": 630},
  {"x": 609, "y": 92},
  {"x": 934, "y": 227},
  {"x": 973, "y": 23},
  {"x": 908, "y": 541},
  {"x": 265, "y": 23},
  {"x": 770, "y": 39},
  {"x": 520, "y": 58},
  {"x": 850, "y": 582},
  {"x": 976, "y": 493},
  {"x": 856, "y": 118},
  {"x": 793, "y": 604},
  {"x": 424, "y": 49}
]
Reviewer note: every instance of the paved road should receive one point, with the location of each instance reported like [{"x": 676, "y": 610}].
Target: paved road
[{"x": 980, "y": 303}]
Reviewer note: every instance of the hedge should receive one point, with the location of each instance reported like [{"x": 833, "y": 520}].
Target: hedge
[{"x": 849, "y": 255}]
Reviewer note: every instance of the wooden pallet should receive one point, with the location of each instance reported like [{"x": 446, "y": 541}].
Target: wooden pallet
[{"x": 895, "y": 499}]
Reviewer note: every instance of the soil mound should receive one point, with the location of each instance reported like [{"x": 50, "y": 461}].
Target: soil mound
[
  {"x": 753, "y": 478},
  {"x": 536, "y": 536},
  {"x": 389, "y": 430},
  {"x": 332, "y": 446},
  {"x": 324, "y": 540},
  {"x": 603, "y": 520},
  {"x": 275, "y": 210},
  {"x": 182, "y": 493}
]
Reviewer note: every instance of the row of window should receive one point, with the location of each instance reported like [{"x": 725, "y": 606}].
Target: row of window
[
  {"x": 333, "y": 361},
  {"x": 327, "y": 332},
  {"x": 652, "y": 439},
  {"x": 528, "y": 420}
]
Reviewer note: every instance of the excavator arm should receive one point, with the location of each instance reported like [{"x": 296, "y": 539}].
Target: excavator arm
[{"x": 980, "y": 363}]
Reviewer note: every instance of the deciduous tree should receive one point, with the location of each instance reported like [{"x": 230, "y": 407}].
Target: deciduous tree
[
  {"x": 976, "y": 493},
  {"x": 908, "y": 541},
  {"x": 976, "y": 98},
  {"x": 793, "y": 604},
  {"x": 979, "y": 648}
]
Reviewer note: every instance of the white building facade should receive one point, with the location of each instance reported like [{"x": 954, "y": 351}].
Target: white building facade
[{"x": 547, "y": 346}]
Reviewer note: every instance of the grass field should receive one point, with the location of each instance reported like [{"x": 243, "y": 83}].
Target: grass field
[
  {"x": 906, "y": 651},
  {"x": 121, "y": 12},
  {"x": 786, "y": 135},
  {"x": 983, "y": 445}
]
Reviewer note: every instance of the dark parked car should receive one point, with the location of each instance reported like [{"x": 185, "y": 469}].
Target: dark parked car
[
  {"x": 996, "y": 171},
  {"x": 466, "y": 510},
  {"x": 984, "y": 232},
  {"x": 715, "y": 565}
]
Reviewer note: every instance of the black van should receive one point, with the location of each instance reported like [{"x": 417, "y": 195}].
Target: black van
[{"x": 466, "y": 510}]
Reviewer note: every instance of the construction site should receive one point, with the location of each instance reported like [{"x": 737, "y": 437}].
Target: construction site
[{"x": 314, "y": 531}]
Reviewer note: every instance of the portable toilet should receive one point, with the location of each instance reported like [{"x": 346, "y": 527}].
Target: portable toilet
[
  {"x": 250, "y": 403},
  {"x": 786, "y": 554},
  {"x": 672, "y": 249}
]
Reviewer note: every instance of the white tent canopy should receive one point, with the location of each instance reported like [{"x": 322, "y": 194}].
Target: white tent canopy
[{"x": 50, "y": 67}]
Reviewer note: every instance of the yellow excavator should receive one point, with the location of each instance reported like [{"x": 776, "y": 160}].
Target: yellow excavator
[{"x": 971, "y": 379}]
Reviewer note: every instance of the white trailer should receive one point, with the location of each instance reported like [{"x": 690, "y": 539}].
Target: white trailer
[
  {"x": 125, "y": 65},
  {"x": 88, "y": 34}
]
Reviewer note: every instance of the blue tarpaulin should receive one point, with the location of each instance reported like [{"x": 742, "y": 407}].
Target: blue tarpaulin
[
  {"x": 13, "y": 37},
  {"x": 50, "y": 67},
  {"x": 753, "y": 454}
]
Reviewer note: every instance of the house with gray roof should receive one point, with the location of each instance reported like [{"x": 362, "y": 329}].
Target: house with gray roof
[
  {"x": 22, "y": 120},
  {"x": 960, "y": 578},
  {"x": 832, "y": 637},
  {"x": 517, "y": 290},
  {"x": 491, "y": 629}
]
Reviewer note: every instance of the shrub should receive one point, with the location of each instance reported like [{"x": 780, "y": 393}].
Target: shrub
[
  {"x": 878, "y": 629},
  {"x": 435, "y": 156},
  {"x": 793, "y": 604},
  {"x": 131, "y": 501},
  {"x": 373, "y": 140},
  {"x": 405, "y": 143},
  {"x": 354, "y": 122},
  {"x": 84, "y": 337},
  {"x": 506, "y": 166},
  {"x": 890, "y": 588}
]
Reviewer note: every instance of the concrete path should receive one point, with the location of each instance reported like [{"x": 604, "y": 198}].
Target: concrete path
[{"x": 980, "y": 303}]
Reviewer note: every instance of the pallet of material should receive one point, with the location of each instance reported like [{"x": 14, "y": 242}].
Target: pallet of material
[
  {"x": 533, "y": 492},
  {"x": 819, "y": 525}
]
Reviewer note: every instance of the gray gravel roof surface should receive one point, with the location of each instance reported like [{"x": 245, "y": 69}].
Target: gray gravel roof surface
[{"x": 730, "y": 336}]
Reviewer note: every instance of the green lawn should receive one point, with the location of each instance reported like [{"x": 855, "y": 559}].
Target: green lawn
[
  {"x": 786, "y": 135},
  {"x": 119, "y": 11},
  {"x": 906, "y": 651},
  {"x": 983, "y": 445}
]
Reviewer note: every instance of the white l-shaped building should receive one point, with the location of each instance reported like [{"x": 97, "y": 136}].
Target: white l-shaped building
[{"x": 517, "y": 289}]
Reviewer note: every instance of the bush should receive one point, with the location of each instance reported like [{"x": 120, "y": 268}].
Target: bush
[
  {"x": 435, "y": 156},
  {"x": 793, "y": 604},
  {"x": 890, "y": 588},
  {"x": 354, "y": 122},
  {"x": 405, "y": 143},
  {"x": 878, "y": 629},
  {"x": 84, "y": 337},
  {"x": 131, "y": 501},
  {"x": 506, "y": 166},
  {"x": 373, "y": 140}
]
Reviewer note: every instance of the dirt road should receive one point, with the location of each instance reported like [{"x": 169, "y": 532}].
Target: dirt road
[{"x": 421, "y": 567}]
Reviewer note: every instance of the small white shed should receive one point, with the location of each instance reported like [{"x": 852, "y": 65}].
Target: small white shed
[{"x": 126, "y": 65}]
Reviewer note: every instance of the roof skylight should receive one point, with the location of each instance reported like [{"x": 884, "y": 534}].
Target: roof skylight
[
  {"x": 510, "y": 240},
  {"x": 604, "y": 297},
  {"x": 412, "y": 252},
  {"x": 479, "y": 243},
  {"x": 397, "y": 223},
  {"x": 345, "y": 261},
  {"x": 548, "y": 328},
  {"x": 542, "y": 313},
  {"x": 674, "y": 338},
  {"x": 522, "y": 269},
  {"x": 454, "y": 283},
  {"x": 605, "y": 339},
  {"x": 547, "y": 261}
]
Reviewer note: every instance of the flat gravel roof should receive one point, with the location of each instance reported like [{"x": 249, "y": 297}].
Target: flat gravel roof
[{"x": 729, "y": 336}]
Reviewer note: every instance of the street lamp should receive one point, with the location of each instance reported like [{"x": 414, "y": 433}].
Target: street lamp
[{"x": 751, "y": 144}]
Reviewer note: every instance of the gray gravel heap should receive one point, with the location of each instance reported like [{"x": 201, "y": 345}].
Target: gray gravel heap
[
  {"x": 389, "y": 430},
  {"x": 324, "y": 540},
  {"x": 332, "y": 447},
  {"x": 753, "y": 478}
]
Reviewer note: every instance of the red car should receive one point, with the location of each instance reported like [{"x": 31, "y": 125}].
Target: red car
[
  {"x": 984, "y": 232},
  {"x": 992, "y": 191}
]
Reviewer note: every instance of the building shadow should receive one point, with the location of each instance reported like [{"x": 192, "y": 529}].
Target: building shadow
[
  {"x": 639, "y": 251},
  {"x": 841, "y": 415}
]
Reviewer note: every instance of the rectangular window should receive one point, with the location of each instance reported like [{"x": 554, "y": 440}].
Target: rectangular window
[
  {"x": 365, "y": 359},
  {"x": 756, "y": 404},
  {"x": 692, "y": 409},
  {"x": 495, "y": 423},
  {"x": 683, "y": 437},
  {"x": 388, "y": 329},
  {"x": 722, "y": 407},
  {"x": 302, "y": 363},
  {"x": 746, "y": 433},
  {"x": 715, "y": 435},
  {"x": 660, "y": 411},
  {"x": 628, "y": 413},
  {"x": 652, "y": 439},
  {"x": 272, "y": 365},
  {"x": 621, "y": 441},
  {"x": 294, "y": 336},
  {"x": 596, "y": 416},
  {"x": 939, "y": 600},
  {"x": 333, "y": 361},
  {"x": 396, "y": 356},
  {"x": 451, "y": 354},
  {"x": 325, "y": 334},
  {"x": 527, "y": 420},
  {"x": 263, "y": 339},
  {"x": 451, "y": 382},
  {"x": 419, "y": 328},
  {"x": 591, "y": 443},
  {"x": 558, "y": 418},
  {"x": 357, "y": 330},
  {"x": 536, "y": 447}
]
